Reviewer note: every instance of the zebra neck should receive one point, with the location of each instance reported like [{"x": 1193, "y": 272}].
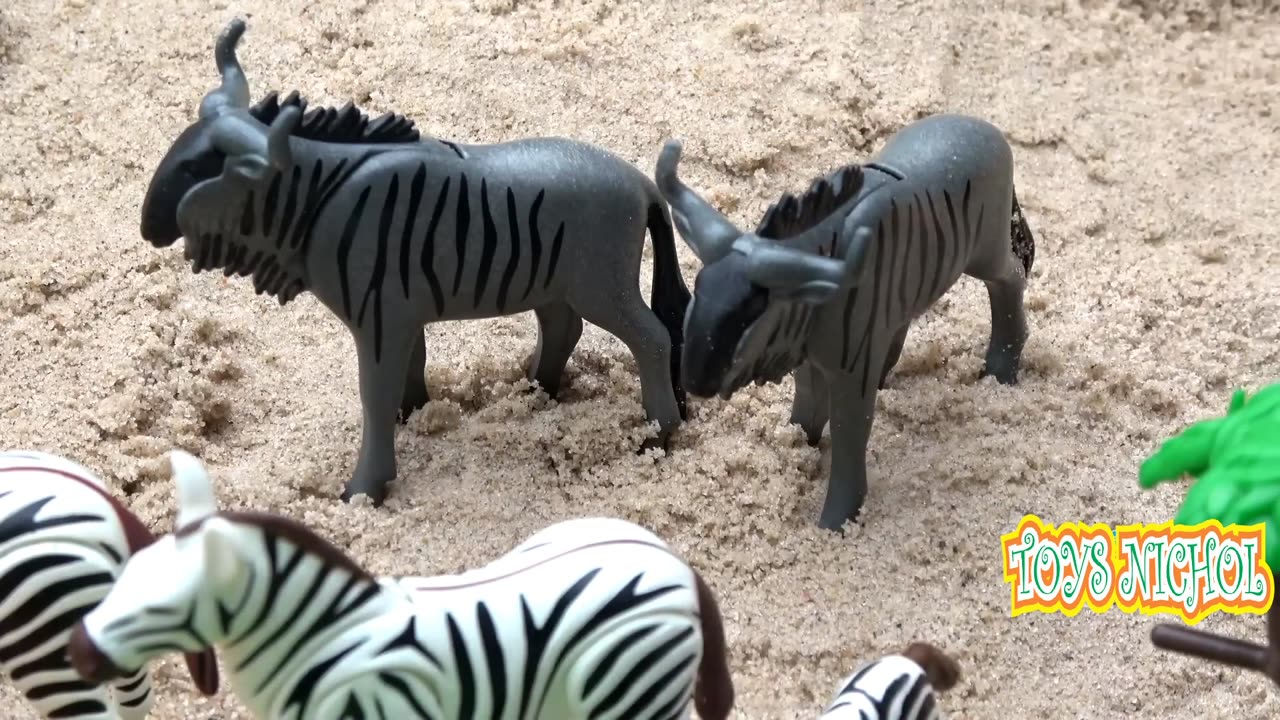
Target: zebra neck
[{"x": 294, "y": 611}]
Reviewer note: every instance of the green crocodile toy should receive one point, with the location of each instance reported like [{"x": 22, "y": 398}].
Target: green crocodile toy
[{"x": 1236, "y": 462}]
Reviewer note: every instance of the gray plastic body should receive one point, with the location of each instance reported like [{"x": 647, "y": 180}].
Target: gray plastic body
[
  {"x": 391, "y": 231},
  {"x": 829, "y": 283}
]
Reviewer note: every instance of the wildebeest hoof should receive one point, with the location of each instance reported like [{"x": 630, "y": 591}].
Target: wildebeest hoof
[
  {"x": 662, "y": 442},
  {"x": 376, "y": 496},
  {"x": 1003, "y": 373}
]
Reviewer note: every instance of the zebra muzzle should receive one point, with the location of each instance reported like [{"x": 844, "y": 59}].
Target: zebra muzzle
[{"x": 89, "y": 661}]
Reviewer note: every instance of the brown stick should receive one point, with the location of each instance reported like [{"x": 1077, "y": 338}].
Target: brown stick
[{"x": 1218, "y": 648}]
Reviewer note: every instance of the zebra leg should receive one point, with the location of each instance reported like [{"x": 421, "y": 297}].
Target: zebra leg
[
  {"x": 559, "y": 329},
  {"x": 810, "y": 408},
  {"x": 1008, "y": 324},
  {"x": 624, "y": 315},
  {"x": 133, "y": 695},
  {"x": 382, "y": 382},
  {"x": 415, "y": 382},
  {"x": 852, "y": 413},
  {"x": 895, "y": 352}
]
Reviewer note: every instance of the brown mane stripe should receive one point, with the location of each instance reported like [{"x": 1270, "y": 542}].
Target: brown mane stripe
[{"x": 136, "y": 534}]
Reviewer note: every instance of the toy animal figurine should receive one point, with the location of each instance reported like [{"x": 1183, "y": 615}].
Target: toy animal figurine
[
  {"x": 63, "y": 541},
  {"x": 830, "y": 281},
  {"x": 896, "y": 687},
  {"x": 392, "y": 231},
  {"x": 1236, "y": 460},
  {"x": 587, "y": 618}
]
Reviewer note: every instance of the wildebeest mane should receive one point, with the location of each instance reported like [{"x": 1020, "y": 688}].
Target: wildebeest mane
[
  {"x": 347, "y": 124},
  {"x": 791, "y": 215}
]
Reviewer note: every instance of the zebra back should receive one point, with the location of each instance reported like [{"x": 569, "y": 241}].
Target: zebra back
[{"x": 894, "y": 687}]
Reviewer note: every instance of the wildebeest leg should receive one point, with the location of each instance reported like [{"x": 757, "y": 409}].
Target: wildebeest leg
[
  {"x": 624, "y": 315},
  {"x": 810, "y": 408},
  {"x": 415, "y": 383},
  {"x": 382, "y": 382},
  {"x": 559, "y": 329},
  {"x": 1008, "y": 322},
  {"x": 895, "y": 352},
  {"x": 852, "y": 413}
]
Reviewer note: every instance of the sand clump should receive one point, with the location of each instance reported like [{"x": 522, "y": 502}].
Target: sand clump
[{"x": 1146, "y": 162}]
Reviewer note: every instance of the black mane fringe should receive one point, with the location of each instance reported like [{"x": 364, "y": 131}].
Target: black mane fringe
[
  {"x": 347, "y": 124},
  {"x": 791, "y": 215}
]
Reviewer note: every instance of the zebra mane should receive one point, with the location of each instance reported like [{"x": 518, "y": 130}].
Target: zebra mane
[
  {"x": 304, "y": 537},
  {"x": 791, "y": 215},
  {"x": 347, "y": 124}
]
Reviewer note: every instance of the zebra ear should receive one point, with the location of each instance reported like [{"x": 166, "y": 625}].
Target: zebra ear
[
  {"x": 196, "y": 500},
  {"x": 221, "y": 560}
]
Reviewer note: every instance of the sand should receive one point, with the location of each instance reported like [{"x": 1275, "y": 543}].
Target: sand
[{"x": 1145, "y": 138}]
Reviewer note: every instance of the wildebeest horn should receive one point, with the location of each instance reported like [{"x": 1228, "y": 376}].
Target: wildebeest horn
[
  {"x": 777, "y": 266},
  {"x": 234, "y": 90},
  {"x": 708, "y": 232}
]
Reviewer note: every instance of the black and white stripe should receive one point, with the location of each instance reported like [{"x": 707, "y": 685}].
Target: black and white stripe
[
  {"x": 892, "y": 687},
  {"x": 61, "y": 547},
  {"x": 588, "y": 618}
]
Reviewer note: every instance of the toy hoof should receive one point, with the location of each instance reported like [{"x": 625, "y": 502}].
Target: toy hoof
[
  {"x": 376, "y": 496},
  {"x": 661, "y": 442},
  {"x": 1003, "y": 375}
]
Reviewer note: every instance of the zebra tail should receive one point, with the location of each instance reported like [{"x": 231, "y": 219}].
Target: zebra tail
[
  {"x": 670, "y": 296},
  {"x": 941, "y": 669},
  {"x": 713, "y": 696},
  {"x": 1022, "y": 241}
]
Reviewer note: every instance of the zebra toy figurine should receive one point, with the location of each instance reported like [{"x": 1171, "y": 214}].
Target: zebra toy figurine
[
  {"x": 392, "y": 231},
  {"x": 895, "y": 687},
  {"x": 830, "y": 281},
  {"x": 587, "y": 618},
  {"x": 63, "y": 541}
]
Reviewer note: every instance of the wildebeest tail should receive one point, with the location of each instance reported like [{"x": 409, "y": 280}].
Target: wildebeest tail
[
  {"x": 670, "y": 296},
  {"x": 1023, "y": 243},
  {"x": 713, "y": 695},
  {"x": 942, "y": 670}
]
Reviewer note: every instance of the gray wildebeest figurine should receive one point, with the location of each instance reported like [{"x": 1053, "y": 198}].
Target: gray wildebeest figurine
[
  {"x": 830, "y": 281},
  {"x": 391, "y": 230}
]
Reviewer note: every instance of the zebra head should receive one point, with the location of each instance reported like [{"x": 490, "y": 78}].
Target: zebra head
[
  {"x": 749, "y": 289},
  {"x": 201, "y": 186},
  {"x": 169, "y": 596}
]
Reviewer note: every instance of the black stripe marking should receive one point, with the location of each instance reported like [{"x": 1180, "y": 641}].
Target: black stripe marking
[
  {"x": 307, "y": 684},
  {"x": 610, "y": 659},
  {"x": 429, "y": 246},
  {"x": 922, "y": 252},
  {"x": 344, "y": 248},
  {"x": 847, "y": 325},
  {"x": 53, "y": 627},
  {"x": 955, "y": 233},
  {"x": 940, "y": 243},
  {"x": 466, "y": 677},
  {"x": 538, "y": 637},
  {"x": 410, "y": 219},
  {"x": 969, "y": 237},
  {"x": 535, "y": 242},
  {"x": 269, "y": 205},
  {"x": 661, "y": 683},
  {"x": 867, "y": 339},
  {"x": 378, "y": 275},
  {"x": 636, "y": 671},
  {"x": 461, "y": 224},
  {"x": 290, "y": 205},
  {"x": 494, "y": 658},
  {"x": 555, "y": 256},
  {"x": 907, "y": 240},
  {"x": 246, "y": 217},
  {"x": 490, "y": 245},
  {"x": 513, "y": 261},
  {"x": 48, "y": 595},
  {"x": 77, "y": 709},
  {"x": 895, "y": 277}
]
